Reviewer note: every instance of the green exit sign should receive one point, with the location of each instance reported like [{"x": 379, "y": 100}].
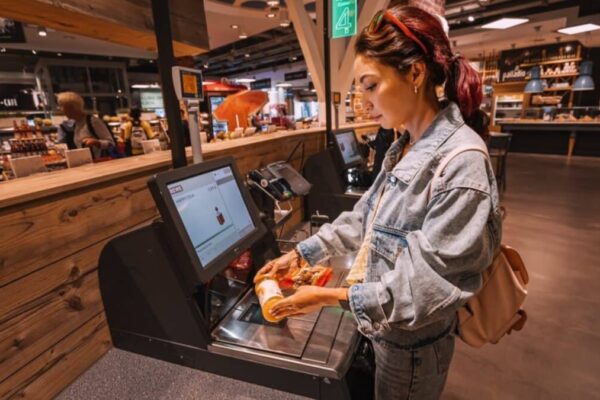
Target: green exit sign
[{"x": 343, "y": 18}]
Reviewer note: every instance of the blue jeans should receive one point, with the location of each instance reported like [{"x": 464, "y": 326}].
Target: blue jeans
[{"x": 412, "y": 373}]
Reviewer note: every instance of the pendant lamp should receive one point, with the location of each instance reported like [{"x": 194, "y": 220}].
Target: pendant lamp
[
  {"x": 584, "y": 81},
  {"x": 535, "y": 84}
]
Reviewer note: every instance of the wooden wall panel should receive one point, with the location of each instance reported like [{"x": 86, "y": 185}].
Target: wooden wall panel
[
  {"x": 25, "y": 337},
  {"x": 49, "y": 231},
  {"x": 38, "y": 287},
  {"x": 59, "y": 365}
]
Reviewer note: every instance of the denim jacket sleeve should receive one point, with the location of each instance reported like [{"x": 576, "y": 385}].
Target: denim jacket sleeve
[
  {"x": 457, "y": 241},
  {"x": 343, "y": 235}
]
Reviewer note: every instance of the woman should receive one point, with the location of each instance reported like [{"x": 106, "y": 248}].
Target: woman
[
  {"x": 82, "y": 129},
  {"x": 135, "y": 132},
  {"x": 425, "y": 251}
]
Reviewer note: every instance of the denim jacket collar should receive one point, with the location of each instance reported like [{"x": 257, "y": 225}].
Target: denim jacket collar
[{"x": 445, "y": 123}]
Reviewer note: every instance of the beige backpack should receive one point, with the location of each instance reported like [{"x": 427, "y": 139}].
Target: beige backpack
[{"x": 495, "y": 310}]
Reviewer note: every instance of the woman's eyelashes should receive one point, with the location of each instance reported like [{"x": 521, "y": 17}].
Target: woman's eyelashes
[{"x": 371, "y": 87}]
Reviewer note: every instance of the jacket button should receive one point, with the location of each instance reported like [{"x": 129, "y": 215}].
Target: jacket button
[{"x": 376, "y": 326}]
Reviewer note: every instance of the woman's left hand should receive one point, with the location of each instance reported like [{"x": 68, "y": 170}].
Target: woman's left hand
[{"x": 308, "y": 299}]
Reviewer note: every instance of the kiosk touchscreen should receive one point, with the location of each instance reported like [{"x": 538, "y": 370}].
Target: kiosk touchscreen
[
  {"x": 211, "y": 212},
  {"x": 347, "y": 146}
]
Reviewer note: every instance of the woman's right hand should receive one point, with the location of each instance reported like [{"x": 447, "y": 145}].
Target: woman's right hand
[{"x": 278, "y": 267}]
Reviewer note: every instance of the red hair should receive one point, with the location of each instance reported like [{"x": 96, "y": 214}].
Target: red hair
[{"x": 391, "y": 46}]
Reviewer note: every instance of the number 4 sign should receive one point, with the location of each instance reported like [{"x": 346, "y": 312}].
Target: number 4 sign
[{"x": 343, "y": 18}]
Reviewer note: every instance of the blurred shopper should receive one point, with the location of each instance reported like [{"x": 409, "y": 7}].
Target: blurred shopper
[
  {"x": 82, "y": 129},
  {"x": 135, "y": 131},
  {"x": 421, "y": 245}
]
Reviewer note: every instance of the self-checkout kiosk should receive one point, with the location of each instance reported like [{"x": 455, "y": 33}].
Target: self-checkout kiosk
[
  {"x": 170, "y": 290},
  {"x": 339, "y": 175}
]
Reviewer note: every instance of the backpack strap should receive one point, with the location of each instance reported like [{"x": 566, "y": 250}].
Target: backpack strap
[
  {"x": 442, "y": 165},
  {"x": 90, "y": 126},
  {"x": 69, "y": 132}
]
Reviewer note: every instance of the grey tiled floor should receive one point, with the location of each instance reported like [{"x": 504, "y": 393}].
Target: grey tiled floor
[{"x": 123, "y": 375}]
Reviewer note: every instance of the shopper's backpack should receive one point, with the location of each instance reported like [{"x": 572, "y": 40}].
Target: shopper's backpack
[
  {"x": 136, "y": 137},
  {"x": 495, "y": 310}
]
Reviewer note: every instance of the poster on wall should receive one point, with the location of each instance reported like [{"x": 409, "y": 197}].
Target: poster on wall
[
  {"x": 151, "y": 100},
  {"x": 11, "y": 31}
]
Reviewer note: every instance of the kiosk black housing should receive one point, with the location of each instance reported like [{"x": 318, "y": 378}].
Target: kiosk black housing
[{"x": 162, "y": 301}]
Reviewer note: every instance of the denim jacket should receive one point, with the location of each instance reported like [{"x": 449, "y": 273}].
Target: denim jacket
[{"x": 426, "y": 254}]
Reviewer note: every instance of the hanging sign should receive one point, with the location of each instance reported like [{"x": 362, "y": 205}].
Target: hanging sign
[
  {"x": 11, "y": 31},
  {"x": 343, "y": 18}
]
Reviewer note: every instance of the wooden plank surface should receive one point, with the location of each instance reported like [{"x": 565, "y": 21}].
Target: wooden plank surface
[
  {"x": 49, "y": 373},
  {"x": 25, "y": 337},
  {"x": 49, "y": 231},
  {"x": 36, "y": 288},
  {"x": 125, "y": 22}
]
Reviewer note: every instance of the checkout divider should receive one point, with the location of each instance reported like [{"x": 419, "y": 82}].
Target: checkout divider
[{"x": 168, "y": 293}]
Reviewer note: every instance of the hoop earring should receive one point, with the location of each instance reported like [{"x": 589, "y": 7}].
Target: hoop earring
[{"x": 416, "y": 89}]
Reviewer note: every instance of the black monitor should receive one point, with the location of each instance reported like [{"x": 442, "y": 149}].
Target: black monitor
[
  {"x": 209, "y": 211},
  {"x": 347, "y": 148}
]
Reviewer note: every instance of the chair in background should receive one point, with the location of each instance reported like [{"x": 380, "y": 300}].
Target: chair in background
[{"x": 498, "y": 145}]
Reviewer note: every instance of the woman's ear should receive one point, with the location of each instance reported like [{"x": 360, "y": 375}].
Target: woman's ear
[{"x": 417, "y": 74}]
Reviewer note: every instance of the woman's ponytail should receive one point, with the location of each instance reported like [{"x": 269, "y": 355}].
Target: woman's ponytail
[{"x": 465, "y": 89}]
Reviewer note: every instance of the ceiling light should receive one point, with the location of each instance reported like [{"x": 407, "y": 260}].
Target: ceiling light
[
  {"x": 284, "y": 84},
  {"x": 505, "y": 23},
  {"x": 313, "y": 90},
  {"x": 294, "y": 58},
  {"x": 247, "y": 55},
  {"x": 243, "y": 36},
  {"x": 471, "y": 18},
  {"x": 574, "y": 30},
  {"x": 271, "y": 15},
  {"x": 234, "y": 26},
  {"x": 34, "y": 52},
  {"x": 273, "y": 3},
  {"x": 59, "y": 54},
  {"x": 3, "y": 50},
  {"x": 245, "y": 80},
  {"x": 205, "y": 65},
  {"x": 206, "y": 83},
  {"x": 285, "y": 23},
  {"x": 42, "y": 32}
]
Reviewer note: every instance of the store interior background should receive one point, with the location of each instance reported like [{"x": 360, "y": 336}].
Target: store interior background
[{"x": 250, "y": 49}]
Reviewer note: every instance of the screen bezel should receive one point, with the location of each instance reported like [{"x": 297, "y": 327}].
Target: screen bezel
[
  {"x": 358, "y": 163},
  {"x": 168, "y": 210}
]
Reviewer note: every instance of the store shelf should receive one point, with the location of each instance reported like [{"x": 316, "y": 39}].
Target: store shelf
[
  {"x": 550, "y": 62},
  {"x": 568, "y": 88},
  {"x": 560, "y": 75}
]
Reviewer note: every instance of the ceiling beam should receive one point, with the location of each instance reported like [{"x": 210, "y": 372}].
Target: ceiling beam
[{"x": 126, "y": 22}]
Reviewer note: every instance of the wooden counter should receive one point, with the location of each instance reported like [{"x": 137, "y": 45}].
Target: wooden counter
[
  {"x": 54, "y": 225},
  {"x": 562, "y": 135}
]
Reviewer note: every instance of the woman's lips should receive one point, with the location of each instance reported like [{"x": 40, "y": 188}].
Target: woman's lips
[{"x": 377, "y": 117}]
